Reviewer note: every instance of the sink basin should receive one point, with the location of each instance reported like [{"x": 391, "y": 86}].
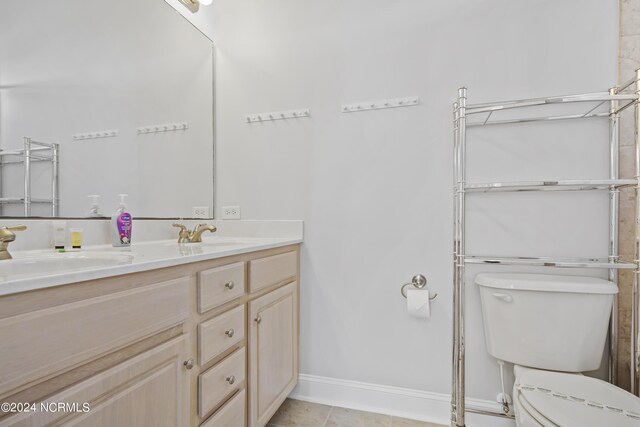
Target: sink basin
[
  {"x": 217, "y": 242},
  {"x": 173, "y": 244},
  {"x": 52, "y": 263}
]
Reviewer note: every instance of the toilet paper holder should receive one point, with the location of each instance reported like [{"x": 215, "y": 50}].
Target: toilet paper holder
[{"x": 419, "y": 282}]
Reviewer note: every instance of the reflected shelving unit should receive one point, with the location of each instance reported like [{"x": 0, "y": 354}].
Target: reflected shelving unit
[
  {"x": 599, "y": 105},
  {"x": 33, "y": 151}
]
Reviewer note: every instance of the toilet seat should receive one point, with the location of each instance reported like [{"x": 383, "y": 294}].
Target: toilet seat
[
  {"x": 527, "y": 416},
  {"x": 550, "y": 399}
]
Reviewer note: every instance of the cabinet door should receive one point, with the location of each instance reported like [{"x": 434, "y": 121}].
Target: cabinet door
[
  {"x": 273, "y": 351},
  {"x": 150, "y": 389}
]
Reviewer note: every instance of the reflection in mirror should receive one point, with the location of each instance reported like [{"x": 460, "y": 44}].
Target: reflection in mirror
[{"x": 121, "y": 92}]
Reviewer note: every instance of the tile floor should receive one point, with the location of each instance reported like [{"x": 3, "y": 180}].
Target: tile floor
[{"x": 296, "y": 413}]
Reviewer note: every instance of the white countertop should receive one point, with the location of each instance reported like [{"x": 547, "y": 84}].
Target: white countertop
[{"x": 31, "y": 266}]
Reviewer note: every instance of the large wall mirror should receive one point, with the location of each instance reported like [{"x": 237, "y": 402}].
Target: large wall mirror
[{"x": 103, "y": 98}]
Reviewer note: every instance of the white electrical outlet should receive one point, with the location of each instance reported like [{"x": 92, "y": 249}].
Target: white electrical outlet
[
  {"x": 200, "y": 212},
  {"x": 231, "y": 212}
]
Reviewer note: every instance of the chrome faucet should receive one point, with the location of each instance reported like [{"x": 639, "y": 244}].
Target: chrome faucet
[
  {"x": 194, "y": 236},
  {"x": 7, "y": 236}
]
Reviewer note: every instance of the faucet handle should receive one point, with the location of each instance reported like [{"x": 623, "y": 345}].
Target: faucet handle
[
  {"x": 183, "y": 236},
  {"x": 7, "y": 236}
]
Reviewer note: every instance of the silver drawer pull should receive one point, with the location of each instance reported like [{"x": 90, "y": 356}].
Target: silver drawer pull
[
  {"x": 188, "y": 364},
  {"x": 230, "y": 379},
  {"x": 229, "y": 285},
  {"x": 258, "y": 319},
  {"x": 229, "y": 333}
]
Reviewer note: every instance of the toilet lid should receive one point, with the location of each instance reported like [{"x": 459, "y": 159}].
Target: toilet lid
[{"x": 575, "y": 400}]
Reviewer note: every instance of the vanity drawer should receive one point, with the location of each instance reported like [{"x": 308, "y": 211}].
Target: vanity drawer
[
  {"x": 217, "y": 335},
  {"x": 274, "y": 269},
  {"x": 219, "y": 285},
  {"x": 232, "y": 414},
  {"x": 50, "y": 341},
  {"x": 220, "y": 381}
]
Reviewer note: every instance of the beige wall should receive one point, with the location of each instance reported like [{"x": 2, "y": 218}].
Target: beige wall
[{"x": 629, "y": 61}]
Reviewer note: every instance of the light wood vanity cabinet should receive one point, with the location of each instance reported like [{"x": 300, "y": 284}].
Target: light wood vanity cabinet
[
  {"x": 267, "y": 271},
  {"x": 212, "y": 343},
  {"x": 149, "y": 389},
  {"x": 233, "y": 413},
  {"x": 220, "y": 333},
  {"x": 221, "y": 381},
  {"x": 273, "y": 344},
  {"x": 219, "y": 285}
]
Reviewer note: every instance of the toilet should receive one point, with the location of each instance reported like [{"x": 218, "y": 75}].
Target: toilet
[{"x": 552, "y": 328}]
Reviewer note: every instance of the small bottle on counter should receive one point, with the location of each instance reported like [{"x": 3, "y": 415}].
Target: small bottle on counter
[
  {"x": 76, "y": 238},
  {"x": 121, "y": 224},
  {"x": 59, "y": 234},
  {"x": 94, "y": 210}
]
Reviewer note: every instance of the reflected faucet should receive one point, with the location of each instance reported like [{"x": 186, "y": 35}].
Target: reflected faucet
[
  {"x": 194, "y": 236},
  {"x": 7, "y": 236}
]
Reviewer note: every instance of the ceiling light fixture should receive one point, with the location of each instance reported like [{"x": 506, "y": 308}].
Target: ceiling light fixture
[{"x": 194, "y": 5}]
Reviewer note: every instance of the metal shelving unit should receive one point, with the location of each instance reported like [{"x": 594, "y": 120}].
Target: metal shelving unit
[
  {"x": 615, "y": 101},
  {"x": 32, "y": 152},
  {"x": 572, "y": 185}
]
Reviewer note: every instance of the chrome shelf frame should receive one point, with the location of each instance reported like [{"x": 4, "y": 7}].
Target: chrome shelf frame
[
  {"x": 615, "y": 101},
  {"x": 11, "y": 200},
  {"x": 568, "y": 185},
  {"x": 600, "y": 99},
  {"x": 551, "y": 262},
  {"x": 33, "y": 151}
]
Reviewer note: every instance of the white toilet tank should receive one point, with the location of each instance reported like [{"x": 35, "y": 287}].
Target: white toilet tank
[{"x": 558, "y": 323}]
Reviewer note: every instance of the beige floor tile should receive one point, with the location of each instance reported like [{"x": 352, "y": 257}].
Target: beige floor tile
[
  {"x": 296, "y": 413},
  {"x": 404, "y": 422},
  {"x": 342, "y": 417}
]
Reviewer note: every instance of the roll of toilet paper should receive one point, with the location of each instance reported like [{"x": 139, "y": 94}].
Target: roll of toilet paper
[{"x": 418, "y": 303}]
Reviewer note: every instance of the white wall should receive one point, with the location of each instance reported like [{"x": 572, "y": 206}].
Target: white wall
[
  {"x": 73, "y": 66},
  {"x": 374, "y": 188}
]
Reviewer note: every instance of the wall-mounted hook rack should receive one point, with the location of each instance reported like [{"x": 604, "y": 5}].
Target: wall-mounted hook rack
[
  {"x": 278, "y": 115},
  {"x": 380, "y": 104},
  {"x": 171, "y": 127},
  {"x": 95, "y": 135}
]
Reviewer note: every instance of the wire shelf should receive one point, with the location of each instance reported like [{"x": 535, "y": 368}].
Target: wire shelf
[
  {"x": 20, "y": 200},
  {"x": 20, "y": 152},
  {"x": 33, "y": 151},
  {"x": 566, "y": 185},
  {"x": 551, "y": 262},
  {"x": 600, "y": 99},
  {"x": 568, "y": 107}
]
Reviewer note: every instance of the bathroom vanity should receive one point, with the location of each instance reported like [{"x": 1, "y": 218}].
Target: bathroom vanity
[{"x": 182, "y": 335}]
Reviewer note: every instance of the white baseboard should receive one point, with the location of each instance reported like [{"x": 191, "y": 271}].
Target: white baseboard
[{"x": 397, "y": 401}]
